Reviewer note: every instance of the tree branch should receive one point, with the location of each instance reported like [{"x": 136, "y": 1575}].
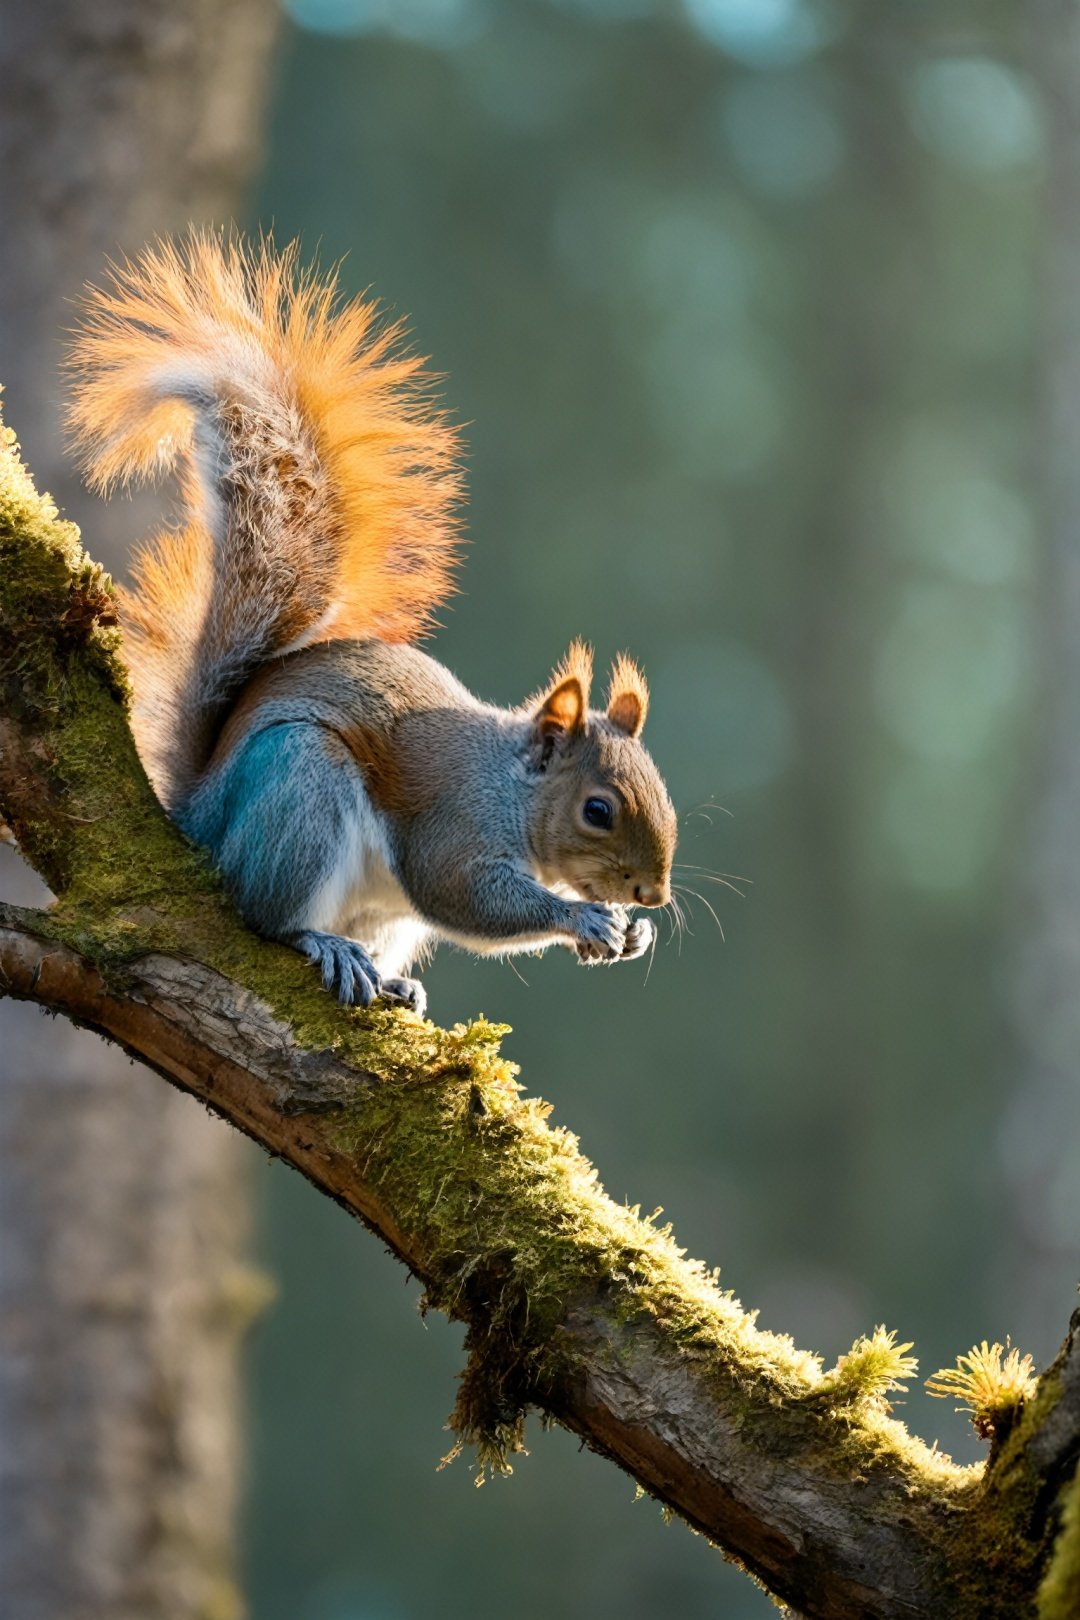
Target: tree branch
[{"x": 573, "y": 1304}]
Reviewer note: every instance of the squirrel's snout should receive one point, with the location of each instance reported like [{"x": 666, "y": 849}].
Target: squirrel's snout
[{"x": 651, "y": 894}]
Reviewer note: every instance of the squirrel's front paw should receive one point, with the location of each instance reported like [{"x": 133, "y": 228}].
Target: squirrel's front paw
[
  {"x": 601, "y": 932},
  {"x": 346, "y": 968},
  {"x": 640, "y": 935},
  {"x": 406, "y": 993}
]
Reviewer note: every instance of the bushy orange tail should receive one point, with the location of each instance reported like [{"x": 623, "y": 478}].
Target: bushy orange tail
[{"x": 319, "y": 480}]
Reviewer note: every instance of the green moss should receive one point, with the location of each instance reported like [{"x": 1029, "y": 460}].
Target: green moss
[
  {"x": 871, "y": 1370},
  {"x": 1059, "y": 1594},
  {"x": 1002, "y": 1547},
  {"x": 993, "y": 1382},
  {"x": 60, "y": 672},
  {"x": 465, "y": 1154}
]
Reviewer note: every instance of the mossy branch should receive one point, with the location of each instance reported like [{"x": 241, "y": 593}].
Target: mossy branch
[{"x": 574, "y": 1305}]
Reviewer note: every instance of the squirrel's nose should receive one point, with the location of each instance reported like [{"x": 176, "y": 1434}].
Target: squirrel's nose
[{"x": 650, "y": 894}]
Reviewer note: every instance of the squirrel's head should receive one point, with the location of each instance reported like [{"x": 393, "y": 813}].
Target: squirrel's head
[{"x": 602, "y": 822}]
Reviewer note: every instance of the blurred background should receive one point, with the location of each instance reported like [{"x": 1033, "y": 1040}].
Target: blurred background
[{"x": 765, "y": 319}]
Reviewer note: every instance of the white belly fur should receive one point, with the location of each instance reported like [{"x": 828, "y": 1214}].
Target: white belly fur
[{"x": 362, "y": 898}]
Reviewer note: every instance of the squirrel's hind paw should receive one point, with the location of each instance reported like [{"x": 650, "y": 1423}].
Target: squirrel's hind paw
[{"x": 346, "y": 968}]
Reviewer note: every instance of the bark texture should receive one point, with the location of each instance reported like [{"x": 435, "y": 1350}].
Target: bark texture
[
  {"x": 573, "y": 1304},
  {"x": 120, "y": 1293}
]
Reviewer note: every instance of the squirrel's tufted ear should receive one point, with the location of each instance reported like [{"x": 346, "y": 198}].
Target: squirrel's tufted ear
[
  {"x": 628, "y": 696},
  {"x": 563, "y": 708}
]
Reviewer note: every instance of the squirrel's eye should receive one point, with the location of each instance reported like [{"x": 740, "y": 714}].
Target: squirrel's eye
[{"x": 598, "y": 813}]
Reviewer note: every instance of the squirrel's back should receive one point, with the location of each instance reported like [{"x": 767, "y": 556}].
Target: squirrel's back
[{"x": 319, "y": 480}]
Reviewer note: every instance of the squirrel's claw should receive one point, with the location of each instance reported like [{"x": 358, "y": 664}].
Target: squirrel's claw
[
  {"x": 346, "y": 968},
  {"x": 349, "y": 973}
]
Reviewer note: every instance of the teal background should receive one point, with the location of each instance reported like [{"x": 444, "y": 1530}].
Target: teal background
[{"x": 739, "y": 299}]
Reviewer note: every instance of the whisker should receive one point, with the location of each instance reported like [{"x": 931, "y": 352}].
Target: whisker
[
  {"x": 708, "y": 804},
  {"x": 684, "y": 926},
  {"x": 652, "y": 958},
  {"x": 708, "y": 908},
  {"x": 723, "y": 882},
  {"x": 689, "y": 930},
  {"x": 711, "y": 871}
]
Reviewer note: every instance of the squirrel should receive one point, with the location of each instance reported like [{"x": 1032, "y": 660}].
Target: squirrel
[{"x": 360, "y": 802}]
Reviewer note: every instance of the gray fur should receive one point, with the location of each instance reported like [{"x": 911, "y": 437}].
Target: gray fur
[{"x": 363, "y": 805}]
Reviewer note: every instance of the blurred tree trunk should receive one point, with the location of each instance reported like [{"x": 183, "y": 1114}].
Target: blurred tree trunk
[
  {"x": 122, "y": 1277},
  {"x": 834, "y": 577},
  {"x": 1043, "y": 1130}
]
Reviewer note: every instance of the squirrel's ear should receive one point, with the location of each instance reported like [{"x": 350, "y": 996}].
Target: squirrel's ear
[
  {"x": 564, "y": 706},
  {"x": 628, "y": 696},
  {"x": 563, "y": 710}
]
